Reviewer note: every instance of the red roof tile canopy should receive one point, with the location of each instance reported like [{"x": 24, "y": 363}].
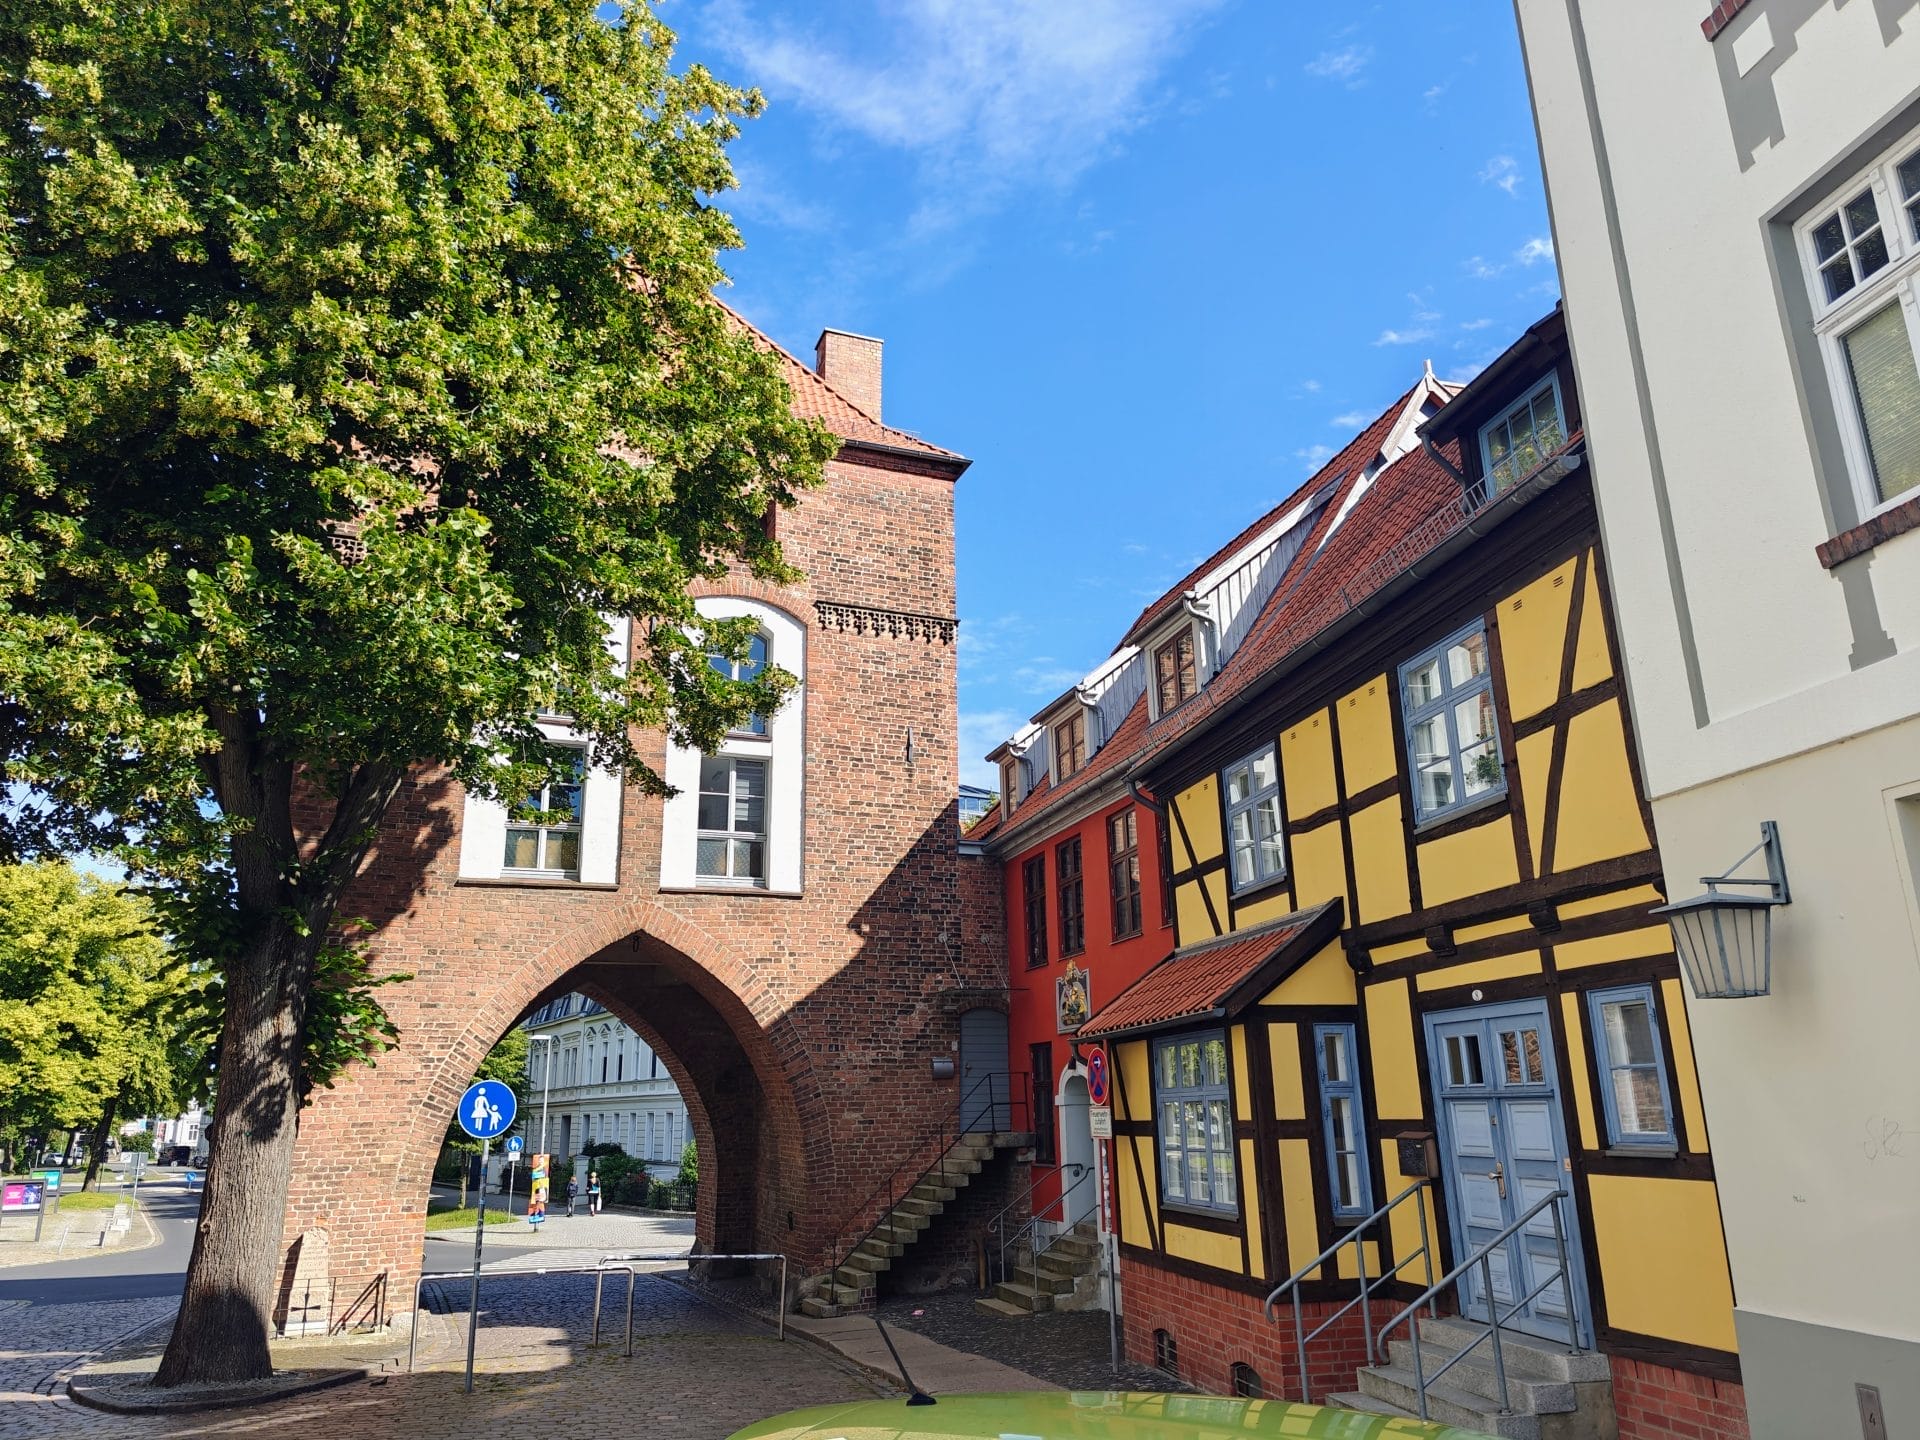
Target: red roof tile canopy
[
  {"x": 1721, "y": 17},
  {"x": 1219, "y": 979}
]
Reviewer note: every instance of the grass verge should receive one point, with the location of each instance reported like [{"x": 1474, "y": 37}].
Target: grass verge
[{"x": 446, "y": 1217}]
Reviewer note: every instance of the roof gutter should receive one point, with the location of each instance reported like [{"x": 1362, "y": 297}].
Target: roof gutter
[
  {"x": 1490, "y": 517},
  {"x": 958, "y": 464}
]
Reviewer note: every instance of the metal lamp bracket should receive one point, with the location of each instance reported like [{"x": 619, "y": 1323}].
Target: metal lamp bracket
[{"x": 1776, "y": 880}]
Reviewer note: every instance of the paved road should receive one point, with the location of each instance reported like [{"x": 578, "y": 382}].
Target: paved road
[{"x": 144, "y": 1274}]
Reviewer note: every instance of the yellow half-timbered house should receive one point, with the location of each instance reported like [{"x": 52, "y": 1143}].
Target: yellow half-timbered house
[{"x": 1413, "y": 865}]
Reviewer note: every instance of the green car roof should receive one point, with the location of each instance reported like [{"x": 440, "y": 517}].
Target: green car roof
[{"x": 1088, "y": 1415}]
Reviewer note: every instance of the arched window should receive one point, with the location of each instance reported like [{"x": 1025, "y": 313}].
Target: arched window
[
  {"x": 747, "y": 669},
  {"x": 1246, "y": 1382},
  {"x": 1166, "y": 1354}
]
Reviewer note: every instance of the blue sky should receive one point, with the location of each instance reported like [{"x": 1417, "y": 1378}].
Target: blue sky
[{"x": 1147, "y": 262}]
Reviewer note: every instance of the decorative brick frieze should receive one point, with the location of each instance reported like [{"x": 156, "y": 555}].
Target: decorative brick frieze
[
  {"x": 1721, "y": 17},
  {"x": 896, "y": 624}
]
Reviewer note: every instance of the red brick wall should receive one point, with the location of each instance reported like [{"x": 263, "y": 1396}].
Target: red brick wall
[
  {"x": 799, "y": 1029},
  {"x": 1215, "y": 1327},
  {"x": 1653, "y": 1402}
]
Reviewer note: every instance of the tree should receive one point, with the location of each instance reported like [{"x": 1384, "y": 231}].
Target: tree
[
  {"x": 358, "y": 359},
  {"x": 80, "y": 968}
]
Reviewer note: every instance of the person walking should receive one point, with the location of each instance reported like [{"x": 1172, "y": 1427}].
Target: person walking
[
  {"x": 593, "y": 1192},
  {"x": 573, "y": 1193}
]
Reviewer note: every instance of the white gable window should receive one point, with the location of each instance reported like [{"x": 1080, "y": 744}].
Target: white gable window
[
  {"x": 1861, "y": 252},
  {"x": 734, "y": 822}
]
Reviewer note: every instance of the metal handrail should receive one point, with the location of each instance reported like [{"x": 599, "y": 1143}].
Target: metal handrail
[
  {"x": 1481, "y": 1258},
  {"x": 1355, "y": 1237},
  {"x": 866, "y": 1216},
  {"x": 1029, "y": 1228},
  {"x": 598, "y": 1271},
  {"x": 687, "y": 1258}
]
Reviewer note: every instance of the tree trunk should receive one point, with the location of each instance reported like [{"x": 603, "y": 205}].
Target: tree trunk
[
  {"x": 97, "y": 1144},
  {"x": 226, "y": 1314}
]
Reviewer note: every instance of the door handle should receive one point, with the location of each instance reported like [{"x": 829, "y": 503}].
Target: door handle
[{"x": 1499, "y": 1176}]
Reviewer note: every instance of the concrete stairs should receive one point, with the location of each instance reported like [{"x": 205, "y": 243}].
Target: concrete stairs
[
  {"x": 1050, "y": 1282},
  {"x": 851, "y": 1285},
  {"x": 1554, "y": 1395}
]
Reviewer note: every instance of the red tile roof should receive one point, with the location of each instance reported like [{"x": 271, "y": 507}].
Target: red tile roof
[
  {"x": 1218, "y": 978},
  {"x": 815, "y": 399}
]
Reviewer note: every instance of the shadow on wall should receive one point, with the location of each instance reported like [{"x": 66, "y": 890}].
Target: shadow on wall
[{"x": 1753, "y": 106}]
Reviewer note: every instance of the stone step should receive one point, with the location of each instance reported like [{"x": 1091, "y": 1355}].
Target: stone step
[
  {"x": 1448, "y": 1404},
  {"x": 1055, "y": 1263},
  {"x": 1000, "y": 1309},
  {"x": 896, "y": 1234},
  {"x": 1025, "y": 1296},
  {"x": 841, "y": 1294},
  {"x": 1545, "y": 1394},
  {"x": 911, "y": 1206},
  {"x": 1045, "y": 1281},
  {"x": 862, "y": 1260},
  {"x": 883, "y": 1249},
  {"x": 857, "y": 1279},
  {"x": 1072, "y": 1252},
  {"x": 1523, "y": 1354},
  {"x": 818, "y": 1309},
  {"x": 927, "y": 1190}
]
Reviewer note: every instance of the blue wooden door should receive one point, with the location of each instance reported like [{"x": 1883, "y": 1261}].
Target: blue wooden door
[{"x": 1503, "y": 1148}]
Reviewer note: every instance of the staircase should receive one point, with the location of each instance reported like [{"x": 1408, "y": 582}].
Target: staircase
[
  {"x": 1552, "y": 1395},
  {"x": 850, "y": 1285},
  {"x": 1052, "y": 1280}
]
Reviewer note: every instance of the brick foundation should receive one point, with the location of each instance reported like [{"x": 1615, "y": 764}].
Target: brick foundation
[
  {"x": 1654, "y": 1402},
  {"x": 1214, "y": 1328}
]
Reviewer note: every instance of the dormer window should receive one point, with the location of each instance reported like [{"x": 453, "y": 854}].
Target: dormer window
[
  {"x": 1513, "y": 446},
  {"x": 1175, "y": 680},
  {"x": 1070, "y": 745}
]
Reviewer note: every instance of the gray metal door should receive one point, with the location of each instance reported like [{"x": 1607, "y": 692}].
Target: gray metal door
[
  {"x": 1503, "y": 1147},
  {"x": 985, "y": 1082}
]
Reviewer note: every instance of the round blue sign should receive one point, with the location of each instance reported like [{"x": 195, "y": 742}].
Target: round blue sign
[
  {"x": 514, "y": 1146},
  {"x": 487, "y": 1109}
]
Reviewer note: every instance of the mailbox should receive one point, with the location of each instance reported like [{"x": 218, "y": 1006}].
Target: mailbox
[{"x": 1419, "y": 1154}]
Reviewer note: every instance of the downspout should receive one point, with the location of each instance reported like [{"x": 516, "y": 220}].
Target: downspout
[
  {"x": 1445, "y": 464},
  {"x": 1201, "y": 611}
]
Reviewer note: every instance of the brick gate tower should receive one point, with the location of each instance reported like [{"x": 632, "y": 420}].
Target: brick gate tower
[{"x": 786, "y": 931}]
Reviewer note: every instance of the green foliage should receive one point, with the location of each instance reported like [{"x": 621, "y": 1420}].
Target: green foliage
[
  {"x": 81, "y": 973},
  {"x": 689, "y": 1166},
  {"x": 507, "y": 1063},
  {"x": 140, "y": 1142},
  {"x": 602, "y": 1147},
  {"x": 357, "y": 359}
]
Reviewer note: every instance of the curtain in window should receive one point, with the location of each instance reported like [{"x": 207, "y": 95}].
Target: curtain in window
[{"x": 1886, "y": 387}]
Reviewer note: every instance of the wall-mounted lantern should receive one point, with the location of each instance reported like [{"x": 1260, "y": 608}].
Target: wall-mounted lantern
[{"x": 1726, "y": 940}]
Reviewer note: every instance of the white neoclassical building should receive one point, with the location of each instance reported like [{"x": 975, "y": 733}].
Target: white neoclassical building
[{"x": 591, "y": 1079}]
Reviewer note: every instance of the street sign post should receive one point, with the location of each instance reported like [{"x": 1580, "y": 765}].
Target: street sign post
[
  {"x": 486, "y": 1110},
  {"x": 1097, "y": 1075},
  {"x": 1100, "y": 1121}
]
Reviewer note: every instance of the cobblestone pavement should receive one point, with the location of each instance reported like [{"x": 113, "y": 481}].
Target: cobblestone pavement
[
  {"x": 591, "y": 1236},
  {"x": 1070, "y": 1350},
  {"x": 697, "y": 1373}
]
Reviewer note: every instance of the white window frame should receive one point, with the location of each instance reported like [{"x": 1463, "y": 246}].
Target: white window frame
[
  {"x": 1549, "y": 381},
  {"x": 1898, "y": 280},
  {"x": 733, "y": 834},
  {"x": 1216, "y": 1101},
  {"x": 575, "y": 828},
  {"x": 483, "y": 827},
  {"x": 1160, "y": 642},
  {"x": 783, "y": 747},
  {"x": 1443, "y": 705},
  {"x": 1265, "y": 797},
  {"x": 1074, "y": 716}
]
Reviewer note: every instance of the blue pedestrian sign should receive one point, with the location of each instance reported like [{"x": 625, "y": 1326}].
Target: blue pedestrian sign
[
  {"x": 487, "y": 1109},
  {"x": 514, "y": 1147}
]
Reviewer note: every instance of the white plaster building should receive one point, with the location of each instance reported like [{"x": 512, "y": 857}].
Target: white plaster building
[
  {"x": 1735, "y": 192},
  {"x": 591, "y": 1079}
]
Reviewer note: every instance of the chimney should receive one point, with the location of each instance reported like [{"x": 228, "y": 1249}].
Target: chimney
[{"x": 851, "y": 364}]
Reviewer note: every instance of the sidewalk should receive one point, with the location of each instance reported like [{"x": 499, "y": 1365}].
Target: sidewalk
[
  {"x": 937, "y": 1369},
  {"x": 72, "y": 1234}
]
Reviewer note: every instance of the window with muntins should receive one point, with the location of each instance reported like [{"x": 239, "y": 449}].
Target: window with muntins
[
  {"x": 1073, "y": 911},
  {"x": 733, "y": 821},
  {"x": 1123, "y": 872},
  {"x": 747, "y": 669},
  {"x": 1252, "y": 788},
  {"x": 1515, "y": 444},
  {"x": 1174, "y": 678},
  {"x": 1861, "y": 253},
  {"x": 1009, "y": 785},
  {"x": 1033, "y": 892},
  {"x": 1343, "y": 1121},
  {"x": 551, "y": 845},
  {"x": 1453, "y": 736},
  {"x": 1633, "y": 1071},
  {"x": 1195, "y": 1116},
  {"x": 1246, "y": 1382},
  {"x": 1166, "y": 1354},
  {"x": 1070, "y": 745}
]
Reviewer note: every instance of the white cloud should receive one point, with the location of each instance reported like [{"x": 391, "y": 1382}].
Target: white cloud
[
  {"x": 1403, "y": 337},
  {"x": 1312, "y": 387},
  {"x": 1502, "y": 173},
  {"x": 1539, "y": 248},
  {"x": 1314, "y": 456},
  {"x": 1475, "y": 324},
  {"x": 989, "y": 98},
  {"x": 1352, "y": 420},
  {"x": 1461, "y": 374},
  {"x": 1433, "y": 93},
  {"x": 1343, "y": 64},
  {"x": 1422, "y": 302},
  {"x": 980, "y": 732},
  {"x": 1481, "y": 268}
]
